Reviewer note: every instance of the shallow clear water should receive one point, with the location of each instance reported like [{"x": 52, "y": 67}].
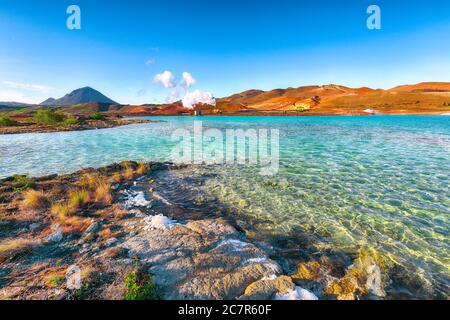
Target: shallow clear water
[{"x": 345, "y": 182}]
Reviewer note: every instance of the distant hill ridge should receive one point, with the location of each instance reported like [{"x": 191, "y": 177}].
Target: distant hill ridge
[
  {"x": 421, "y": 98},
  {"x": 79, "y": 96}
]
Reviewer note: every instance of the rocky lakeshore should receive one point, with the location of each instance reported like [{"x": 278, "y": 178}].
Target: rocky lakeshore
[
  {"x": 93, "y": 235},
  {"x": 81, "y": 126}
]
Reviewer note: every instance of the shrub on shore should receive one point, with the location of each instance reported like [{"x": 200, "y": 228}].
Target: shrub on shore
[
  {"x": 97, "y": 116},
  {"x": 70, "y": 120},
  {"x": 48, "y": 116},
  {"x": 7, "y": 122},
  {"x": 34, "y": 199}
]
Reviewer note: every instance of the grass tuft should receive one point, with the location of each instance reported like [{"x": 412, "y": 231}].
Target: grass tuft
[
  {"x": 78, "y": 198},
  {"x": 142, "y": 168},
  {"x": 128, "y": 173},
  {"x": 103, "y": 192},
  {"x": 34, "y": 199},
  {"x": 61, "y": 210},
  {"x": 117, "y": 177},
  {"x": 89, "y": 180}
]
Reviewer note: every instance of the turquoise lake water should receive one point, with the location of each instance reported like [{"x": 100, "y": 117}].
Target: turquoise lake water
[{"x": 347, "y": 183}]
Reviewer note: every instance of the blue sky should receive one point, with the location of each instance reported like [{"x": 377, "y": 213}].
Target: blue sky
[{"x": 228, "y": 46}]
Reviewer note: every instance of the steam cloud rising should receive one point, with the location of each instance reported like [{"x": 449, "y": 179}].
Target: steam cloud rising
[
  {"x": 189, "y": 98},
  {"x": 166, "y": 79}
]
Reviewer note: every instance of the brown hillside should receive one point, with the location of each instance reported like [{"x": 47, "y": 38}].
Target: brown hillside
[{"x": 423, "y": 87}]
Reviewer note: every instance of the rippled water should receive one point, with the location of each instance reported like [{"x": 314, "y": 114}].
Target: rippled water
[{"x": 345, "y": 183}]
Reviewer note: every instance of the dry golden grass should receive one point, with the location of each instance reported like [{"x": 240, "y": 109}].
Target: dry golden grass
[
  {"x": 128, "y": 173},
  {"x": 103, "y": 192},
  {"x": 61, "y": 210},
  {"x": 75, "y": 224},
  {"x": 141, "y": 169},
  {"x": 117, "y": 177},
  {"x": 89, "y": 180},
  {"x": 33, "y": 199},
  {"x": 78, "y": 198},
  {"x": 12, "y": 248}
]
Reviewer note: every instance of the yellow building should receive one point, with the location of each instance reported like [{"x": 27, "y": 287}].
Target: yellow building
[{"x": 302, "y": 106}]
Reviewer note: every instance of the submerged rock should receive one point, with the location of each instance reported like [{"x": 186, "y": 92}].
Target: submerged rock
[
  {"x": 363, "y": 278},
  {"x": 206, "y": 259}
]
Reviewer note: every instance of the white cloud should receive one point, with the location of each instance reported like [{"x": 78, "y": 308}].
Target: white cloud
[
  {"x": 27, "y": 86},
  {"x": 166, "y": 79},
  {"x": 188, "y": 80},
  {"x": 191, "y": 99}
]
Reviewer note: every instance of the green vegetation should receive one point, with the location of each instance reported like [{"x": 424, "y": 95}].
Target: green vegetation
[
  {"x": 71, "y": 120},
  {"x": 7, "y": 122},
  {"x": 56, "y": 280},
  {"x": 23, "y": 181},
  {"x": 48, "y": 116},
  {"x": 97, "y": 116},
  {"x": 140, "y": 286}
]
